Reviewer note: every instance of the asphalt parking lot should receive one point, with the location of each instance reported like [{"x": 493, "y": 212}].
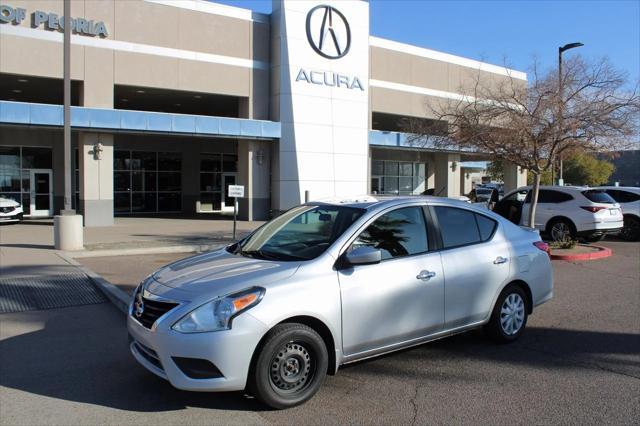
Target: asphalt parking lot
[{"x": 578, "y": 363}]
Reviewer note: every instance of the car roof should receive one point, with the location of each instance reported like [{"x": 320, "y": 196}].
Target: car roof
[
  {"x": 558, "y": 187},
  {"x": 369, "y": 201},
  {"x": 623, "y": 188}
]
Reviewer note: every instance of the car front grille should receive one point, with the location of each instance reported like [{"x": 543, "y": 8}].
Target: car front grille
[{"x": 148, "y": 312}]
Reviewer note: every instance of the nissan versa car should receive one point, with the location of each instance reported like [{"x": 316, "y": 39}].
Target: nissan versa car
[{"x": 330, "y": 283}]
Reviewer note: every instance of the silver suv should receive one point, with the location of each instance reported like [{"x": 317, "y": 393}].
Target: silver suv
[{"x": 331, "y": 283}]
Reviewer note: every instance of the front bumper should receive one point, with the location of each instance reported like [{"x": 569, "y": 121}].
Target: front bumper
[
  {"x": 230, "y": 351},
  {"x": 15, "y": 216}
]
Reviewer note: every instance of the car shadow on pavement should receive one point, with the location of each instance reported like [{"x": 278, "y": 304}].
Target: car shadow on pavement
[{"x": 81, "y": 354}]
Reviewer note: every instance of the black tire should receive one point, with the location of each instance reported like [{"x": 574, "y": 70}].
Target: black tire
[
  {"x": 497, "y": 328},
  {"x": 289, "y": 367},
  {"x": 561, "y": 229},
  {"x": 594, "y": 238},
  {"x": 631, "y": 230}
]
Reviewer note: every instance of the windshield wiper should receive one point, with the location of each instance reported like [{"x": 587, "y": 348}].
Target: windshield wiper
[{"x": 261, "y": 254}]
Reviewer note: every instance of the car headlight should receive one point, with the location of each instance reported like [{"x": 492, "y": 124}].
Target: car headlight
[{"x": 217, "y": 314}]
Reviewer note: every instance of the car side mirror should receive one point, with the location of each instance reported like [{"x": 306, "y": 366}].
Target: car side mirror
[{"x": 364, "y": 255}]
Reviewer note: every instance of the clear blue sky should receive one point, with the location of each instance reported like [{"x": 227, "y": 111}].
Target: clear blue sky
[{"x": 516, "y": 30}]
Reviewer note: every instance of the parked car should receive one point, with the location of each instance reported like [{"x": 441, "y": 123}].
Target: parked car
[
  {"x": 10, "y": 210},
  {"x": 565, "y": 212},
  {"x": 629, "y": 199},
  {"x": 326, "y": 284}
]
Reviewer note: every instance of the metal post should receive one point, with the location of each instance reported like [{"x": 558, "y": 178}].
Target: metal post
[
  {"x": 560, "y": 109},
  {"x": 235, "y": 212},
  {"x": 306, "y": 196},
  {"x": 67, "y": 107}
]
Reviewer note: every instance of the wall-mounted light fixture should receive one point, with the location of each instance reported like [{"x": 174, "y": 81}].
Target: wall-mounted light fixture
[
  {"x": 97, "y": 151},
  {"x": 454, "y": 166}
]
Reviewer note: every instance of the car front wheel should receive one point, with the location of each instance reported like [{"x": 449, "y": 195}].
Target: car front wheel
[
  {"x": 289, "y": 367},
  {"x": 509, "y": 316}
]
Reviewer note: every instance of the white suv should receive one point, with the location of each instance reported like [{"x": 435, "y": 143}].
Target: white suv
[
  {"x": 629, "y": 199},
  {"x": 565, "y": 212}
]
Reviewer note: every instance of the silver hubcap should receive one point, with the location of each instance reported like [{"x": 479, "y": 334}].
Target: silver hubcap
[
  {"x": 512, "y": 314},
  {"x": 560, "y": 231}
]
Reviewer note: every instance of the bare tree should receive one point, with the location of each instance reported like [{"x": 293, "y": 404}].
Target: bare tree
[{"x": 531, "y": 125}]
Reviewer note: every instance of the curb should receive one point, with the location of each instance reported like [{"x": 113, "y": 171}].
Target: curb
[
  {"x": 601, "y": 253},
  {"x": 192, "y": 248},
  {"x": 118, "y": 297}
]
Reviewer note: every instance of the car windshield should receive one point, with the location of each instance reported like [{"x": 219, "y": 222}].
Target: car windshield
[
  {"x": 302, "y": 233},
  {"x": 598, "y": 196}
]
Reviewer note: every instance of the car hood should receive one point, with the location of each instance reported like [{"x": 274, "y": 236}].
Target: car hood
[
  {"x": 220, "y": 272},
  {"x": 6, "y": 202}
]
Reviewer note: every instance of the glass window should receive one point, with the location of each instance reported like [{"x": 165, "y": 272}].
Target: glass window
[
  {"x": 150, "y": 181},
  {"x": 419, "y": 169},
  {"x": 10, "y": 180},
  {"x": 9, "y": 157},
  {"x": 377, "y": 167},
  {"x": 550, "y": 196},
  {"x": 36, "y": 158},
  {"x": 486, "y": 226},
  {"x": 391, "y": 185},
  {"x": 169, "y": 161},
  {"x": 169, "y": 201},
  {"x": 598, "y": 196},
  {"x": 141, "y": 160},
  {"x": 121, "y": 160},
  {"x": 406, "y": 185},
  {"x": 121, "y": 181},
  {"x": 122, "y": 202},
  {"x": 401, "y": 232},
  {"x": 302, "y": 233},
  {"x": 457, "y": 226},
  {"x": 210, "y": 163},
  {"x": 169, "y": 181},
  {"x": 623, "y": 196},
  {"x": 519, "y": 196},
  {"x": 391, "y": 168},
  {"x": 406, "y": 169},
  {"x": 229, "y": 163}
]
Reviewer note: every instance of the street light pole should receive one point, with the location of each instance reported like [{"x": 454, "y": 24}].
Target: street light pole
[{"x": 560, "y": 99}]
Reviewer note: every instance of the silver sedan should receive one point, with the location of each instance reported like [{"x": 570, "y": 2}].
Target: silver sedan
[{"x": 330, "y": 283}]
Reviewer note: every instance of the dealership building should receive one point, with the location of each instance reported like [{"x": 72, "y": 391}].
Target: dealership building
[{"x": 175, "y": 100}]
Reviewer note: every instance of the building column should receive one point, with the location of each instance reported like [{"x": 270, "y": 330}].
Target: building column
[
  {"x": 514, "y": 177},
  {"x": 465, "y": 181},
  {"x": 253, "y": 172},
  {"x": 447, "y": 175},
  {"x": 96, "y": 178}
]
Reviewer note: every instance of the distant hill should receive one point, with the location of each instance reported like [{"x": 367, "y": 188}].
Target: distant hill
[{"x": 627, "y": 172}]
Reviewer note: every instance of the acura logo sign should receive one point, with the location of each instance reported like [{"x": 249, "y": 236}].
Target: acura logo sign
[{"x": 328, "y": 32}]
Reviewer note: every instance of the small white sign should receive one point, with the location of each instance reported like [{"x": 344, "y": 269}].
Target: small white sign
[{"x": 236, "y": 190}]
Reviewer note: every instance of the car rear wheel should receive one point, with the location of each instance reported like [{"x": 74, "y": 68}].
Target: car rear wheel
[
  {"x": 631, "y": 230},
  {"x": 561, "y": 230},
  {"x": 289, "y": 366},
  {"x": 509, "y": 316}
]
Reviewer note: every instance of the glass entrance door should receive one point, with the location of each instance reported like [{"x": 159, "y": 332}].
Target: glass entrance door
[
  {"x": 41, "y": 194},
  {"x": 227, "y": 179}
]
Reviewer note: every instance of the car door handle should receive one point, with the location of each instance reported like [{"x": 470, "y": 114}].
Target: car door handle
[
  {"x": 425, "y": 275},
  {"x": 500, "y": 260}
]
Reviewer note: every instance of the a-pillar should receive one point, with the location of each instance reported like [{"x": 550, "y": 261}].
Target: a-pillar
[
  {"x": 514, "y": 177},
  {"x": 253, "y": 172},
  {"x": 447, "y": 175},
  {"x": 96, "y": 178}
]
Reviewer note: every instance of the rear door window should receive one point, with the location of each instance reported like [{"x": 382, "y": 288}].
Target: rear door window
[
  {"x": 553, "y": 197},
  {"x": 598, "y": 196},
  {"x": 457, "y": 226}
]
